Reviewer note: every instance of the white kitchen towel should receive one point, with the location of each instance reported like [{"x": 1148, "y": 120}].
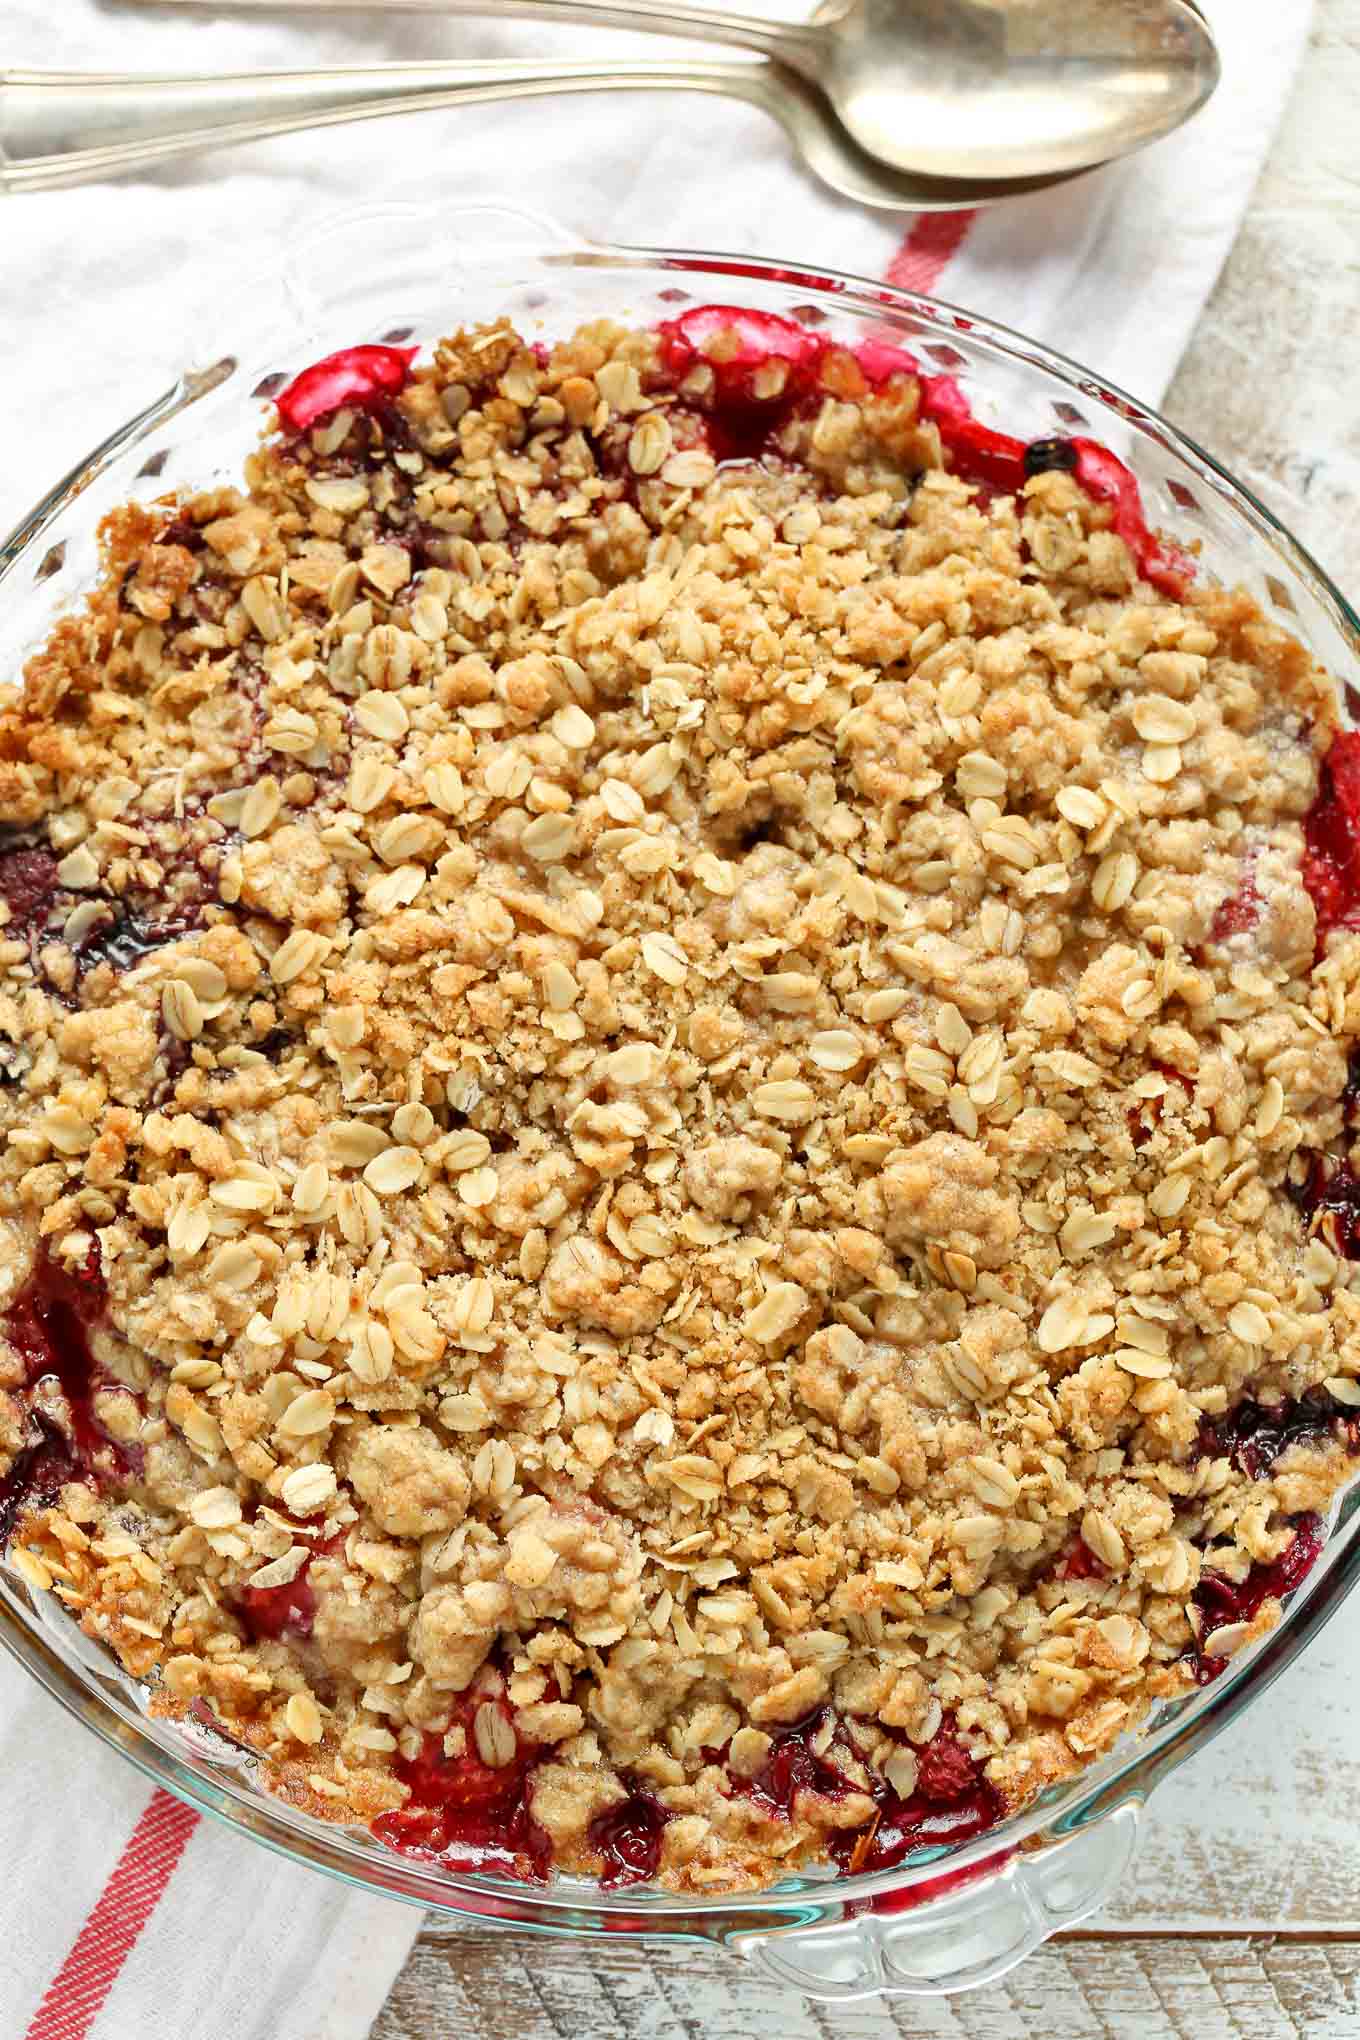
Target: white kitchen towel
[
  {"x": 121, "y": 1913},
  {"x": 125, "y": 1916}
]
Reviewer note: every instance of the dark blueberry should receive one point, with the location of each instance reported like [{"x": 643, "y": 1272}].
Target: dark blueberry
[
  {"x": 275, "y": 1045},
  {"x": 395, "y": 430},
  {"x": 14, "y": 1062},
  {"x": 427, "y": 546},
  {"x": 1044, "y": 456},
  {"x": 39, "y": 1470},
  {"x": 628, "y": 1836},
  {"x": 175, "y": 1059},
  {"x": 28, "y": 886},
  {"x": 1328, "y": 1195},
  {"x": 1254, "y": 1435},
  {"x": 182, "y": 531},
  {"x": 1350, "y": 1097},
  {"x": 125, "y": 938}
]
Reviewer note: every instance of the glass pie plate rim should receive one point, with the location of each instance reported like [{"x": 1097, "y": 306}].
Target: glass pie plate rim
[{"x": 832, "y": 1936}]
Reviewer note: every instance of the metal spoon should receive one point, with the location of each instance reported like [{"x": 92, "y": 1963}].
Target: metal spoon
[
  {"x": 977, "y": 89},
  {"x": 59, "y": 127}
]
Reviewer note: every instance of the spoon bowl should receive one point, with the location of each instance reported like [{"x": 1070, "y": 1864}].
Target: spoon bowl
[
  {"x": 831, "y": 152},
  {"x": 998, "y": 89}
]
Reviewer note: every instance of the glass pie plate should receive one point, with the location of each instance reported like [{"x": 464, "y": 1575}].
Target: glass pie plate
[{"x": 941, "y": 1921}]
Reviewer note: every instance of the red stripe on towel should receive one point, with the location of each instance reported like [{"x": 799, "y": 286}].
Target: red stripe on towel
[
  {"x": 76, "y": 1994},
  {"x": 928, "y": 250}
]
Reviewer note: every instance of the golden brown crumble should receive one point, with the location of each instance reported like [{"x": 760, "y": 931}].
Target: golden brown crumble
[{"x": 652, "y": 1059}]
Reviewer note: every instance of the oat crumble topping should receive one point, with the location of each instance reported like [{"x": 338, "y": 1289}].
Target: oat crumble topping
[{"x": 673, "y": 1110}]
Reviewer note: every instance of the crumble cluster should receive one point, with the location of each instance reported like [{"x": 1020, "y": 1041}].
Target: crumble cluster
[{"x": 672, "y": 1082}]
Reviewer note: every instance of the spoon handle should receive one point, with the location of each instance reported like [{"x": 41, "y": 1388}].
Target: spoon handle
[
  {"x": 70, "y": 127},
  {"x": 794, "y": 42}
]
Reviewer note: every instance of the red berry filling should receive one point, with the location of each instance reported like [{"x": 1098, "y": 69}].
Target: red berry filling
[
  {"x": 1254, "y": 1435},
  {"x": 767, "y": 370},
  {"x": 1143, "y": 1117},
  {"x": 290, "y": 1609},
  {"x": 1326, "y": 1189},
  {"x": 1328, "y": 1195},
  {"x": 355, "y": 375},
  {"x": 1079, "y": 1562},
  {"x": 934, "y": 1887},
  {"x": 125, "y": 938},
  {"x": 1165, "y": 566},
  {"x": 1331, "y": 834},
  {"x": 1221, "y": 1601},
  {"x": 945, "y": 1771},
  {"x": 1239, "y": 912},
  {"x": 794, "y": 1766},
  {"x": 476, "y": 1816},
  {"x": 281, "y": 1611},
  {"x": 628, "y": 1837},
  {"x": 952, "y": 1801},
  {"x": 39, "y": 906},
  {"x": 49, "y": 1325},
  {"x": 466, "y": 1813},
  {"x": 28, "y": 886}
]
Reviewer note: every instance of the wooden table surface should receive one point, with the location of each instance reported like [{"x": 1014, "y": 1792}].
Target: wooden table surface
[{"x": 1241, "y": 1920}]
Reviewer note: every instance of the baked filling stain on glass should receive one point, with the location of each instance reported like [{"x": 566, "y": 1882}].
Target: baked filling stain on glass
[{"x": 676, "y": 1063}]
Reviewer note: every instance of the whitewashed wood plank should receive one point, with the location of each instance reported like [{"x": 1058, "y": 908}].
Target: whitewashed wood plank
[
  {"x": 1085, "y": 1988},
  {"x": 1268, "y": 384},
  {"x": 1263, "y": 1829}
]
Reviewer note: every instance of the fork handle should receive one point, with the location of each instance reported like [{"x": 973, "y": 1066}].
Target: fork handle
[{"x": 71, "y": 127}]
